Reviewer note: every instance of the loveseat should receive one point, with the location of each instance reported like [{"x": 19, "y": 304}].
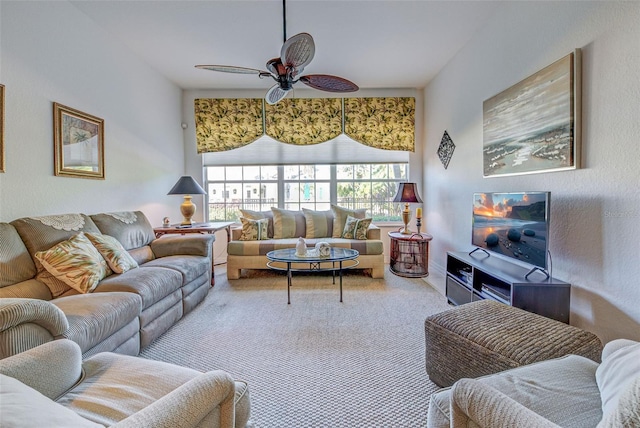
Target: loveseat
[
  {"x": 570, "y": 391},
  {"x": 264, "y": 231},
  {"x": 50, "y": 386},
  {"x": 160, "y": 281}
]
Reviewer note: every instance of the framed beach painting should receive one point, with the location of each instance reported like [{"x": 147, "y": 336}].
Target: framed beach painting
[
  {"x": 78, "y": 140},
  {"x": 1, "y": 128},
  {"x": 534, "y": 126}
]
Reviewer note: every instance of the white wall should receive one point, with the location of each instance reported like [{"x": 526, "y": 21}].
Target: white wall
[
  {"x": 51, "y": 52},
  {"x": 595, "y": 211}
]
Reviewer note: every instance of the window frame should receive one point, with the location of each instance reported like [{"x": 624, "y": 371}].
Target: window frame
[{"x": 392, "y": 215}]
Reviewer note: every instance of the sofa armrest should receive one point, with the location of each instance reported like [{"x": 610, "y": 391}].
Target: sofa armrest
[
  {"x": 27, "y": 323},
  {"x": 373, "y": 232},
  {"x": 51, "y": 368},
  {"x": 189, "y": 404},
  {"x": 474, "y": 402},
  {"x": 184, "y": 245}
]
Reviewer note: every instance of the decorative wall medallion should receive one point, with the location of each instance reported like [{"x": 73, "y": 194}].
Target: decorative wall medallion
[
  {"x": 445, "y": 150},
  {"x": 127, "y": 217},
  {"x": 66, "y": 222}
]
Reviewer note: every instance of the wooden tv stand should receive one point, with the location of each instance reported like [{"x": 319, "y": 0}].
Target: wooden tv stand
[{"x": 480, "y": 276}]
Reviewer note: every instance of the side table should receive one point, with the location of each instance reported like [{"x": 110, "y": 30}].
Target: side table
[
  {"x": 209, "y": 228},
  {"x": 409, "y": 254}
]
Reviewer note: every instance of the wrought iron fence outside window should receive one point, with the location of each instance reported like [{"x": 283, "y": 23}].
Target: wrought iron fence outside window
[{"x": 316, "y": 187}]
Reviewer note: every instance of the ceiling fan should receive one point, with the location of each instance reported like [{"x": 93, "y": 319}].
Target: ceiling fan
[{"x": 296, "y": 53}]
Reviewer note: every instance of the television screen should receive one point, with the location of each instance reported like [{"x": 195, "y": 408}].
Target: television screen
[{"x": 513, "y": 224}]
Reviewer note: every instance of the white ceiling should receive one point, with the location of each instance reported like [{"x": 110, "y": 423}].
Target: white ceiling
[{"x": 375, "y": 44}]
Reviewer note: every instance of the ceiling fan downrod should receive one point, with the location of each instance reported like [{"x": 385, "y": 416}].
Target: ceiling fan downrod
[{"x": 284, "y": 20}]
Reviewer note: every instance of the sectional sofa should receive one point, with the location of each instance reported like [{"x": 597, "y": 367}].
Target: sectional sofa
[
  {"x": 121, "y": 312},
  {"x": 249, "y": 246}
]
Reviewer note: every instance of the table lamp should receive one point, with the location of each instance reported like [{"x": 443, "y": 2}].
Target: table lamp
[
  {"x": 407, "y": 193},
  {"x": 187, "y": 186}
]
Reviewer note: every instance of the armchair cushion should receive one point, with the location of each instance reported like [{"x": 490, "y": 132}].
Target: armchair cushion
[
  {"x": 110, "y": 377},
  {"x": 25, "y": 407}
]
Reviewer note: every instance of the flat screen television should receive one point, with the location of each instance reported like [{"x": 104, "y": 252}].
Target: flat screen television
[{"x": 514, "y": 224}]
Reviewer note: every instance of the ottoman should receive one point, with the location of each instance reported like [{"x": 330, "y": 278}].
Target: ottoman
[{"x": 487, "y": 337}]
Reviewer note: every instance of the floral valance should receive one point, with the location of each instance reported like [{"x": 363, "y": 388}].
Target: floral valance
[
  {"x": 303, "y": 121},
  {"x": 384, "y": 123}
]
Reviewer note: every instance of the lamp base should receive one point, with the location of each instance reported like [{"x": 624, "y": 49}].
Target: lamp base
[
  {"x": 406, "y": 217},
  {"x": 188, "y": 209}
]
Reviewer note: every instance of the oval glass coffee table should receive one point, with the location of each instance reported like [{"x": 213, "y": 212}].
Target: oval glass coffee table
[{"x": 287, "y": 260}]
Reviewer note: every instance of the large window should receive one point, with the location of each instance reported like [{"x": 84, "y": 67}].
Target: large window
[{"x": 292, "y": 187}]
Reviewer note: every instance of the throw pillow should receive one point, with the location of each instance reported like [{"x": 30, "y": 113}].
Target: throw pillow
[
  {"x": 319, "y": 223},
  {"x": 288, "y": 224},
  {"x": 76, "y": 262},
  {"x": 118, "y": 259},
  {"x": 615, "y": 375},
  {"x": 356, "y": 228},
  {"x": 340, "y": 218},
  {"x": 257, "y": 215},
  {"x": 254, "y": 230}
]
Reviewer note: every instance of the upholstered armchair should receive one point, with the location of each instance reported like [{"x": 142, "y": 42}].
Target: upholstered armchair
[
  {"x": 571, "y": 391},
  {"x": 27, "y": 323},
  {"x": 50, "y": 385}
]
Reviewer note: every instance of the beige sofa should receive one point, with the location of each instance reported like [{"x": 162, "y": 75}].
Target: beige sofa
[
  {"x": 125, "y": 312},
  {"x": 314, "y": 226},
  {"x": 50, "y": 386},
  {"x": 571, "y": 391}
]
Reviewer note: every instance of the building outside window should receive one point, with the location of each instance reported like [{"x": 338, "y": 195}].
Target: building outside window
[{"x": 316, "y": 187}]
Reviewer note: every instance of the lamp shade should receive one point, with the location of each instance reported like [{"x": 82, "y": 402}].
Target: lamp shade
[
  {"x": 408, "y": 193},
  {"x": 186, "y": 185}
]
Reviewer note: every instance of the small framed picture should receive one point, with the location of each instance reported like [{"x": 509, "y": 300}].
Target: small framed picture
[{"x": 78, "y": 140}]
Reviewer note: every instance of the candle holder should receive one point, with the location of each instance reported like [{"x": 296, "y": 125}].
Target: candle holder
[{"x": 418, "y": 223}]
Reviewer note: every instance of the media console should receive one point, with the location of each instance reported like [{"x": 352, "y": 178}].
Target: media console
[{"x": 479, "y": 276}]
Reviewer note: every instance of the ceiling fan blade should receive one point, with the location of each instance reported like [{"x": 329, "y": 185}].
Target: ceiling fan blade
[
  {"x": 275, "y": 94},
  {"x": 231, "y": 69},
  {"x": 326, "y": 82},
  {"x": 298, "y": 51}
]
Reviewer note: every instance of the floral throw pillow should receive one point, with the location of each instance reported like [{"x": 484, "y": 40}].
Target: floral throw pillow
[
  {"x": 340, "y": 215},
  {"x": 356, "y": 228},
  {"x": 254, "y": 230},
  {"x": 118, "y": 259},
  {"x": 76, "y": 262}
]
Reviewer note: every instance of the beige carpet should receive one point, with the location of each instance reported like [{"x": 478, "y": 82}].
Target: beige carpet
[{"x": 316, "y": 362}]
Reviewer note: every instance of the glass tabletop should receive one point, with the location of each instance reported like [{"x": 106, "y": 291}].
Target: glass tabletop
[{"x": 289, "y": 255}]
